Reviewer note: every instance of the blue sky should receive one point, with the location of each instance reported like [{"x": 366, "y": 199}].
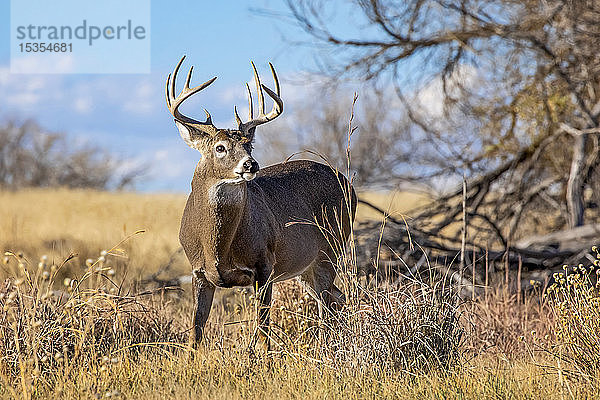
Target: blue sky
[{"x": 126, "y": 113}]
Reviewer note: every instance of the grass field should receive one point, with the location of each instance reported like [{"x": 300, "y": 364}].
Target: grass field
[
  {"x": 55, "y": 222},
  {"x": 83, "y": 329}
]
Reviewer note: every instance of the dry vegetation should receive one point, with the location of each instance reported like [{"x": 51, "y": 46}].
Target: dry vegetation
[
  {"x": 54, "y": 222},
  {"x": 79, "y": 327}
]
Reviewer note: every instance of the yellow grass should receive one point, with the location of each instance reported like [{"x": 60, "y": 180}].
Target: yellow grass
[
  {"x": 232, "y": 376},
  {"x": 57, "y": 222},
  {"x": 395, "y": 203}
]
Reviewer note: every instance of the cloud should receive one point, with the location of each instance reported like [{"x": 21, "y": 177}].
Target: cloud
[
  {"x": 83, "y": 105},
  {"x": 56, "y": 63},
  {"x": 161, "y": 155},
  {"x": 143, "y": 99},
  {"x": 4, "y": 75},
  {"x": 234, "y": 94},
  {"x": 26, "y": 93},
  {"x": 170, "y": 166}
]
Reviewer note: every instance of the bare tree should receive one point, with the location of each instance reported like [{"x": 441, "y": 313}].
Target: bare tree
[
  {"x": 31, "y": 157},
  {"x": 521, "y": 87}
]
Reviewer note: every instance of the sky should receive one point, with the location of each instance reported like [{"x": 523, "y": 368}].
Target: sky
[{"x": 126, "y": 113}]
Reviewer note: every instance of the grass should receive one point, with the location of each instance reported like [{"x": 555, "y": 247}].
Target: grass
[
  {"x": 209, "y": 376},
  {"x": 56, "y": 222},
  {"x": 395, "y": 203},
  {"x": 77, "y": 328}
]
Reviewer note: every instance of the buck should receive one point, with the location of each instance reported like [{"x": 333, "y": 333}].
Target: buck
[{"x": 240, "y": 225}]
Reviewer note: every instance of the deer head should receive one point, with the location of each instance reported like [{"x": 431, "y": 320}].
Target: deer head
[{"x": 227, "y": 153}]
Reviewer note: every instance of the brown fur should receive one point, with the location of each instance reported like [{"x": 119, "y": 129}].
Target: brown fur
[
  {"x": 242, "y": 226},
  {"x": 238, "y": 234}
]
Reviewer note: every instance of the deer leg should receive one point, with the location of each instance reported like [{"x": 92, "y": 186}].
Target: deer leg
[
  {"x": 336, "y": 298},
  {"x": 203, "y": 297},
  {"x": 263, "y": 295},
  {"x": 319, "y": 279}
]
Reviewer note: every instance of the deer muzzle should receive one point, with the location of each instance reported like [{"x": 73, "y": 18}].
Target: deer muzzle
[{"x": 247, "y": 168}]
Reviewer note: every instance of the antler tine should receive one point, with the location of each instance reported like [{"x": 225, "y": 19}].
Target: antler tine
[
  {"x": 238, "y": 120},
  {"x": 261, "y": 98},
  {"x": 208, "y": 117},
  {"x": 277, "y": 102},
  {"x": 173, "y": 102},
  {"x": 277, "y": 89},
  {"x": 189, "y": 78},
  {"x": 277, "y": 105},
  {"x": 250, "y": 105},
  {"x": 173, "y": 78},
  {"x": 167, "y": 94}
]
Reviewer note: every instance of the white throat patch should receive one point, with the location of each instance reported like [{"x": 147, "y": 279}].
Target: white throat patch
[{"x": 226, "y": 191}]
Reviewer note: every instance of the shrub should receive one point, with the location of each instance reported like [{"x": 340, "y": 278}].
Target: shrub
[
  {"x": 575, "y": 303},
  {"x": 90, "y": 322}
]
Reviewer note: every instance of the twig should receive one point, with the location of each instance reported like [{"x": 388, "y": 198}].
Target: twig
[{"x": 464, "y": 229}]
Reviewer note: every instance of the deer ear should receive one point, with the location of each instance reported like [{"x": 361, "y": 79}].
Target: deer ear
[{"x": 186, "y": 133}]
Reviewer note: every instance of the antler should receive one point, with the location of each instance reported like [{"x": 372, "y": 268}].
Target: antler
[
  {"x": 262, "y": 118},
  {"x": 174, "y": 102}
]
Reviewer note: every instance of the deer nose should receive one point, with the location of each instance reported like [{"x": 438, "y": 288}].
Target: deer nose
[{"x": 250, "y": 165}]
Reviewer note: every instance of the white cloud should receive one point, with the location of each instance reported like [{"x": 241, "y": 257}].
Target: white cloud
[
  {"x": 143, "y": 99},
  {"x": 57, "y": 63},
  {"x": 234, "y": 94},
  {"x": 25, "y": 93},
  {"x": 83, "y": 105},
  {"x": 4, "y": 75},
  {"x": 161, "y": 155},
  {"x": 26, "y": 99},
  {"x": 176, "y": 161}
]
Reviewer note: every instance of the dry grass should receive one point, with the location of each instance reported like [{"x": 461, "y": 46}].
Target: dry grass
[
  {"x": 57, "y": 222},
  {"x": 57, "y": 219},
  {"x": 81, "y": 330},
  {"x": 395, "y": 203}
]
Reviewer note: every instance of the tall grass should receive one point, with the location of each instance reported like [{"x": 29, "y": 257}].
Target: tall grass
[
  {"x": 411, "y": 326},
  {"x": 88, "y": 333},
  {"x": 50, "y": 328}
]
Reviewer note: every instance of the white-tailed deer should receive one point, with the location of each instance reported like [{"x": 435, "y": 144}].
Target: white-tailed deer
[{"x": 235, "y": 228}]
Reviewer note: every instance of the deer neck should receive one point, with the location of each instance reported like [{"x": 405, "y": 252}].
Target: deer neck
[{"x": 222, "y": 206}]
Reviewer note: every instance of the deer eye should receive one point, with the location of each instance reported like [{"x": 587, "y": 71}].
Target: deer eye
[{"x": 220, "y": 148}]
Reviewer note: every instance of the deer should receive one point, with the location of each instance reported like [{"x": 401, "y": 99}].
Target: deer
[{"x": 237, "y": 227}]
